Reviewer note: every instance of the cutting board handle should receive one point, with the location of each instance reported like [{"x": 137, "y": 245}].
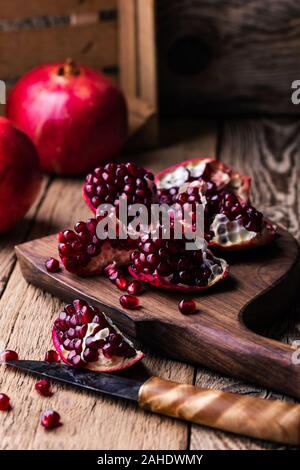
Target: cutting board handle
[
  {"x": 249, "y": 356},
  {"x": 264, "y": 419}
]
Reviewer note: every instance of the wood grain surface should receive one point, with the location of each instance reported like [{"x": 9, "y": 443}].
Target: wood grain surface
[
  {"x": 228, "y": 56},
  {"x": 111, "y": 424}
]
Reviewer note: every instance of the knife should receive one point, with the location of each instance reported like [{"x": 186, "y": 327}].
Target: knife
[{"x": 271, "y": 420}]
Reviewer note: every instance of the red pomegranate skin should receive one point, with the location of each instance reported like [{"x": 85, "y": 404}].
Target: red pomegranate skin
[
  {"x": 20, "y": 177},
  {"x": 76, "y": 116}
]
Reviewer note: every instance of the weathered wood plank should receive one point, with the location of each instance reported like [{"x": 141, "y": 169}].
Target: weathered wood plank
[
  {"x": 267, "y": 150},
  {"x": 232, "y": 56},
  {"x": 94, "y": 45},
  {"x": 21, "y": 9}
]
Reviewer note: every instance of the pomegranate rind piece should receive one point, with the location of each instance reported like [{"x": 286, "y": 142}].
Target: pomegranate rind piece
[
  {"x": 162, "y": 283},
  {"x": 222, "y": 175},
  {"x": 83, "y": 253},
  {"x": 97, "y": 368},
  {"x": 232, "y": 235},
  {"x": 99, "y": 262},
  {"x": 103, "y": 363},
  {"x": 219, "y": 271}
]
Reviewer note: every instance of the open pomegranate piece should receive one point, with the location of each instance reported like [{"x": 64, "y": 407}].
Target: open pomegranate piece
[
  {"x": 230, "y": 224},
  {"x": 85, "y": 337},
  {"x": 83, "y": 253},
  {"x": 171, "y": 179},
  {"x": 169, "y": 265},
  {"x": 105, "y": 185}
]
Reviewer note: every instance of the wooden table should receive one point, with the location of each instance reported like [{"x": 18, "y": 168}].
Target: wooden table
[{"x": 264, "y": 148}]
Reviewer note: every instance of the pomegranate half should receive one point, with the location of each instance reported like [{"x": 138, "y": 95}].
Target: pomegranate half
[
  {"x": 85, "y": 337},
  {"x": 20, "y": 178},
  {"x": 76, "y": 116}
]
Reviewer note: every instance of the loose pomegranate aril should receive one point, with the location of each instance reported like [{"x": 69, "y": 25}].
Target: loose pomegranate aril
[
  {"x": 4, "y": 402},
  {"x": 116, "y": 276},
  {"x": 52, "y": 265},
  {"x": 121, "y": 283},
  {"x": 129, "y": 301},
  {"x": 52, "y": 356},
  {"x": 135, "y": 288},
  {"x": 88, "y": 339},
  {"x": 43, "y": 388},
  {"x": 50, "y": 419},
  {"x": 9, "y": 355},
  {"x": 187, "y": 307}
]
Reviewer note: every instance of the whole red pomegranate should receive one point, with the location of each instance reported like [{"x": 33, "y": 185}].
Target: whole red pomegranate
[
  {"x": 20, "y": 177},
  {"x": 76, "y": 117}
]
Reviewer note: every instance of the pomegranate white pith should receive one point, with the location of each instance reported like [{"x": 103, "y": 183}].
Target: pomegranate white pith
[{"x": 230, "y": 235}]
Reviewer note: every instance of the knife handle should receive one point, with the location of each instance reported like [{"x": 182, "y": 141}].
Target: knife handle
[{"x": 270, "y": 420}]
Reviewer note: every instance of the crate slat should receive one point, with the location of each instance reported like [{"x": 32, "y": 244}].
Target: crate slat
[
  {"x": 22, "y": 9},
  {"x": 128, "y": 47},
  {"x": 147, "y": 51},
  {"x": 95, "y": 45}
]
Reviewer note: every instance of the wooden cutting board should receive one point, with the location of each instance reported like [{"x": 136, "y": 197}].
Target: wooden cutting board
[{"x": 228, "y": 333}]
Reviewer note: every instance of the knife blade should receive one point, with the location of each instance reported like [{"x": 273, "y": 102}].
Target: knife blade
[
  {"x": 271, "y": 420},
  {"x": 109, "y": 384}
]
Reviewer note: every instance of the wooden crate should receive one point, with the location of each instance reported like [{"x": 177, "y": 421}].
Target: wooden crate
[{"x": 115, "y": 36}]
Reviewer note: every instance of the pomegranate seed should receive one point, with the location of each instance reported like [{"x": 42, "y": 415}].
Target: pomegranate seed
[
  {"x": 113, "y": 275},
  {"x": 135, "y": 288},
  {"x": 79, "y": 304},
  {"x": 187, "y": 307},
  {"x": 87, "y": 314},
  {"x": 52, "y": 356},
  {"x": 121, "y": 283},
  {"x": 4, "y": 402},
  {"x": 61, "y": 237},
  {"x": 129, "y": 301},
  {"x": 52, "y": 265},
  {"x": 43, "y": 388},
  {"x": 90, "y": 355},
  {"x": 50, "y": 419},
  {"x": 9, "y": 355}
]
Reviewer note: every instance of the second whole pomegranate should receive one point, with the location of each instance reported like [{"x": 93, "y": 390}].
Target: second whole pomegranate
[{"x": 76, "y": 116}]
